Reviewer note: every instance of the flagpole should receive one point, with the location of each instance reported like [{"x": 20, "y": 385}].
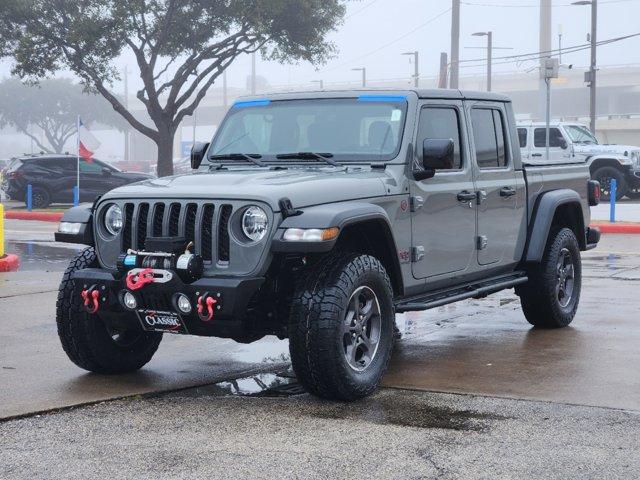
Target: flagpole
[{"x": 76, "y": 193}]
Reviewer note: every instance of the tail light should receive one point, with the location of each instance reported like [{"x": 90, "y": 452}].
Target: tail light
[{"x": 593, "y": 189}]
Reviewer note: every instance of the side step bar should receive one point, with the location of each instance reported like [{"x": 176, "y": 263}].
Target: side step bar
[{"x": 477, "y": 289}]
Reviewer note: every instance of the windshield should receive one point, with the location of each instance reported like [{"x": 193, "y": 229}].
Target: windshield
[
  {"x": 368, "y": 128},
  {"x": 580, "y": 134}
]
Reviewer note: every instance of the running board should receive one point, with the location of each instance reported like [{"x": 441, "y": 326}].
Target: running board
[{"x": 477, "y": 289}]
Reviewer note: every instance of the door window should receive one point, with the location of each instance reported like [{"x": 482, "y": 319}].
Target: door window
[
  {"x": 489, "y": 137},
  {"x": 539, "y": 138},
  {"x": 90, "y": 167},
  {"x": 441, "y": 123},
  {"x": 522, "y": 137}
]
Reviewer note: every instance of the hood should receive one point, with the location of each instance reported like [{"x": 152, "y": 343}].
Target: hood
[
  {"x": 303, "y": 186},
  {"x": 600, "y": 149}
]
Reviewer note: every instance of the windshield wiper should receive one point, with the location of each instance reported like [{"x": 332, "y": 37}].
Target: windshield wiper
[
  {"x": 304, "y": 155},
  {"x": 252, "y": 157}
]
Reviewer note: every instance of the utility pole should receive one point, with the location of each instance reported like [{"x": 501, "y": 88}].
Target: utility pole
[
  {"x": 590, "y": 76},
  {"x": 195, "y": 123},
  {"x": 560, "y": 43},
  {"x": 126, "y": 105},
  {"x": 442, "y": 77},
  {"x": 455, "y": 43},
  {"x": 416, "y": 74},
  {"x": 224, "y": 88},
  {"x": 364, "y": 75},
  {"x": 253, "y": 73},
  {"x": 489, "y": 36},
  {"x": 544, "y": 46}
]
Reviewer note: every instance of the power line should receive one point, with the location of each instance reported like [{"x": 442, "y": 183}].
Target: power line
[
  {"x": 531, "y": 5},
  {"x": 353, "y": 14},
  {"x": 382, "y": 47}
]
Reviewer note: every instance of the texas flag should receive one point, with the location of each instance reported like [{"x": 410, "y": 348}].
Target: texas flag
[{"x": 87, "y": 143}]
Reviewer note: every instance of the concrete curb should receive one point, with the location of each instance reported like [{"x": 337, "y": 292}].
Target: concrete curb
[
  {"x": 9, "y": 263},
  {"x": 39, "y": 216},
  {"x": 624, "y": 228}
]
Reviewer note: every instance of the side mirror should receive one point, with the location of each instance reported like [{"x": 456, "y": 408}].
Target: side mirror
[
  {"x": 437, "y": 154},
  {"x": 197, "y": 154},
  {"x": 563, "y": 144},
  {"x": 106, "y": 171}
]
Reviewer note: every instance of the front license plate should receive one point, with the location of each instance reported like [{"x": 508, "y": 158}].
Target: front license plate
[{"x": 157, "y": 321}]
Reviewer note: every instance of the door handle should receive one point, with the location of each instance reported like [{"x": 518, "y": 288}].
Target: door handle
[
  {"x": 536, "y": 154},
  {"x": 466, "y": 196},
  {"x": 507, "y": 191}
]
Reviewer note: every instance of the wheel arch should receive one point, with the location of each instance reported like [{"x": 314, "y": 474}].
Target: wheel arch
[
  {"x": 600, "y": 162},
  {"x": 363, "y": 228},
  {"x": 561, "y": 208}
]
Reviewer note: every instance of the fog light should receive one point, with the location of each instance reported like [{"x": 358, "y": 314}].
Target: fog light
[
  {"x": 129, "y": 300},
  {"x": 184, "y": 305}
]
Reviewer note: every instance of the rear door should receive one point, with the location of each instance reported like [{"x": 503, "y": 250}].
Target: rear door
[
  {"x": 443, "y": 225},
  {"x": 498, "y": 190}
]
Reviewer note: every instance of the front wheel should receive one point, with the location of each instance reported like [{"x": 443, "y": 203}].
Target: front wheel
[
  {"x": 341, "y": 328},
  {"x": 633, "y": 193},
  {"x": 88, "y": 341},
  {"x": 604, "y": 175},
  {"x": 550, "y": 297}
]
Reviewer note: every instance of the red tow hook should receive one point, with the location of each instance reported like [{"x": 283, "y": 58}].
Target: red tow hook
[
  {"x": 136, "y": 281},
  {"x": 90, "y": 298},
  {"x": 210, "y": 303}
]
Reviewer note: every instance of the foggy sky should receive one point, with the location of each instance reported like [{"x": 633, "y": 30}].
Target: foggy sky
[{"x": 371, "y": 24}]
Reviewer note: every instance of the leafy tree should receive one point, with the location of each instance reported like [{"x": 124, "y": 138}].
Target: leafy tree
[
  {"x": 180, "y": 46},
  {"x": 53, "y": 106}
]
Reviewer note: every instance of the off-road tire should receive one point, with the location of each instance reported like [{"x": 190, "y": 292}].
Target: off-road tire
[
  {"x": 538, "y": 296},
  {"x": 86, "y": 339},
  {"x": 318, "y": 309},
  {"x": 604, "y": 176},
  {"x": 633, "y": 193},
  {"x": 40, "y": 197}
]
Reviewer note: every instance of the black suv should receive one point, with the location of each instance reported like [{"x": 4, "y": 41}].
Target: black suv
[{"x": 53, "y": 177}]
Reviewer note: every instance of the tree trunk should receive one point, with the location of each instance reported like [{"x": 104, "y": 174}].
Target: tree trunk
[{"x": 165, "y": 153}]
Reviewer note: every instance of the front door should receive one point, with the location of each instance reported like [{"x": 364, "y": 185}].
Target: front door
[
  {"x": 556, "y": 143},
  {"x": 500, "y": 194},
  {"x": 444, "y": 210}
]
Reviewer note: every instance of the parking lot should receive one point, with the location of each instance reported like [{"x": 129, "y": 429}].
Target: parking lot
[{"x": 471, "y": 387}]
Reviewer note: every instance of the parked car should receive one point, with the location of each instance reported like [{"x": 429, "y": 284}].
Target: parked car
[
  {"x": 333, "y": 212},
  {"x": 573, "y": 142},
  {"x": 53, "y": 177}
]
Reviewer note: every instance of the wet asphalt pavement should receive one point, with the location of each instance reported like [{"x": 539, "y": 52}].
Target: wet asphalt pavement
[{"x": 531, "y": 403}]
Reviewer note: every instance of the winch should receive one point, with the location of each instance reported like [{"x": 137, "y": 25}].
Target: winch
[{"x": 162, "y": 254}]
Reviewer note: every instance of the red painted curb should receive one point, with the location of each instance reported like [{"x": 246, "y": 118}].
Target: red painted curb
[
  {"x": 618, "y": 228},
  {"x": 40, "y": 216},
  {"x": 9, "y": 263}
]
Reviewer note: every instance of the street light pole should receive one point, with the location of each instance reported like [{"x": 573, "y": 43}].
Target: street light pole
[
  {"x": 455, "y": 44},
  {"x": 416, "y": 70},
  {"x": 489, "y": 36},
  {"x": 364, "y": 75},
  {"x": 591, "y": 76}
]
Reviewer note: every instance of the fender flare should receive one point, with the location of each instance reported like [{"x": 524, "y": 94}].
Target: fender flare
[
  {"x": 341, "y": 215},
  {"x": 82, "y": 214},
  {"x": 542, "y": 217}
]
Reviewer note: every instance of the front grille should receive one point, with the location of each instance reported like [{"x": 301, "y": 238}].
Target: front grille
[{"x": 197, "y": 222}]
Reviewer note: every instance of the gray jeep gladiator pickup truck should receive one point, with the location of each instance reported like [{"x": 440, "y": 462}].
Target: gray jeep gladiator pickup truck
[{"x": 318, "y": 216}]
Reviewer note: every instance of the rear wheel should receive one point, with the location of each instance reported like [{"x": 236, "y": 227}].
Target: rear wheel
[
  {"x": 341, "y": 327},
  {"x": 550, "y": 297},
  {"x": 604, "y": 175},
  {"x": 88, "y": 341},
  {"x": 40, "y": 197}
]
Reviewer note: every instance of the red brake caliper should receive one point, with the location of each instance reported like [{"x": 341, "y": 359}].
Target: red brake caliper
[
  {"x": 140, "y": 279},
  {"x": 90, "y": 298},
  {"x": 210, "y": 303}
]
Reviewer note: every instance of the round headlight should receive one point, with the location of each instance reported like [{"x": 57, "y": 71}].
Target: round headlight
[
  {"x": 255, "y": 223},
  {"x": 113, "y": 219}
]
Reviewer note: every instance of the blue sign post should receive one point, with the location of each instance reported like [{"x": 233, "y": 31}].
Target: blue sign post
[{"x": 612, "y": 200}]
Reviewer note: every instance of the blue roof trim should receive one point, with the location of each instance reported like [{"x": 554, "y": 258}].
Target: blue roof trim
[
  {"x": 252, "y": 103},
  {"x": 382, "y": 98}
]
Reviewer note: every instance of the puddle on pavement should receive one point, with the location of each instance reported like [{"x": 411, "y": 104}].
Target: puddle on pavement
[
  {"x": 283, "y": 384},
  {"x": 42, "y": 256},
  {"x": 409, "y": 412}
]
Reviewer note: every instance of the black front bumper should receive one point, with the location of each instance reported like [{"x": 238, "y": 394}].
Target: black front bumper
[{"x": 233, "y": 295}]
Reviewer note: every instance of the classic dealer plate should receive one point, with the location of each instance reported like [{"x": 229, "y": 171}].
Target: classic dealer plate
[{"x": 158, "y": 321}]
